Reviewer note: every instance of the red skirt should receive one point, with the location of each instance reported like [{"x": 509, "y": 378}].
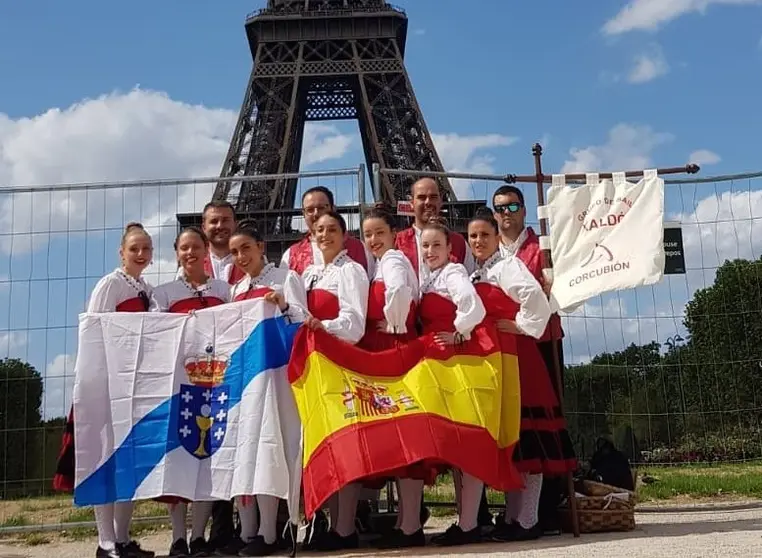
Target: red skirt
[
  {"x": 544, "y": 442},
  {"x": 63, "y": 480}
]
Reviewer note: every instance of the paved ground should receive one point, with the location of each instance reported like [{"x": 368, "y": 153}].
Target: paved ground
[{"x": 694, "y": 534}]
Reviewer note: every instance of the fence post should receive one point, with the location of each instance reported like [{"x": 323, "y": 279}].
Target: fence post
[
  {"x": 361, "y": 189},
  {"x": 377, "y": 182}
]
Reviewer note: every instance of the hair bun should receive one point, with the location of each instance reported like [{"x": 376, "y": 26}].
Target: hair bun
[
  {"x": 483, "y": 211},
  {"x": 133, "y": 225},
  {"x": 249, "y": 224},
  {"x": 437, "y": 220}
]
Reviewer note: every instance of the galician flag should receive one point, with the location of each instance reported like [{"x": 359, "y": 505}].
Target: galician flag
[{"x": 197, "y": 406}]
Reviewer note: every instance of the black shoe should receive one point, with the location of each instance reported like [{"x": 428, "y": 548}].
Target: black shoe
[
  {"x": 455, "y": 536},
  {"x": 515, "y": 532},
  {"x": 258, "y": 547},
  {"x": 199, "y": 547},
  {"x": 132, "y": 550},
  {"x": 316, "y": 529},
  {"x": 502, "y": 532},
  {"x": 441, "y": 536},
  {"x": 179, "y": 548},
  {"x": 362, "y": 517},
  {"x": 103, "y": 553},
  {"x": 398, "y": 539},
  {"x": 332, "y": 541},
  {"x": 231, "y": 549}
]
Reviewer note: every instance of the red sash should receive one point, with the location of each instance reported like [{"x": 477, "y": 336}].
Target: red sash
[
  {"x": 405, "y": 243},
  {"x": 531, "y": 255},
  {"x": 300, "y": 254}
]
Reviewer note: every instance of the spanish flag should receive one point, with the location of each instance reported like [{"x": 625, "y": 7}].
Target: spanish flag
[{"x": 364, "y": 414}]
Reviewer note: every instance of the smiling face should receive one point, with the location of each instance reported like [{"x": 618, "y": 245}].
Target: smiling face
[
  {"x": 329, "y": 237},
  {"x": 483, "y": 239},
  {"x": 379, "y": 236},
  {"x": 427, "y": 202},
  {"x": 314, "y": 206},
  {"x": 247, "y": 253},
  {"x": 136, "y": 252},
  {"x": 509, "y": 213},
  {"x": 218, "y": 226},
  {"x": 435, "y": 248},
  {"x": 191, "y": 251}
]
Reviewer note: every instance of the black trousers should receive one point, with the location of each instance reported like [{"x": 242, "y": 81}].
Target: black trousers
[
  {"x": 223, "y": 528},
  {"x": 553, "y": 488}
]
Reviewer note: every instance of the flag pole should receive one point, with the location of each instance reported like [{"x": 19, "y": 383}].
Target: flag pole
[{"x": 540, "y": 179}]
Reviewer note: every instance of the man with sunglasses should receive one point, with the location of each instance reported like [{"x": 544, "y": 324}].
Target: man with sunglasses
[{"x": 516, "y": 239}]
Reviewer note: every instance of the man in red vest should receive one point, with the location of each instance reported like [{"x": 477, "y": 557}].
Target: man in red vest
[
  {"x": 316, "y": 202},
  {"x": 516, "y": 239},
  {"x": 427, "y": 203}
]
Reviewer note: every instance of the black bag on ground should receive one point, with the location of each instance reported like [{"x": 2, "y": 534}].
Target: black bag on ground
[{"x": 610, "y": 466}]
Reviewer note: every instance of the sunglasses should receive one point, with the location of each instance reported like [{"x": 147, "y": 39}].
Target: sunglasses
[{"x": 512, "y": 207}]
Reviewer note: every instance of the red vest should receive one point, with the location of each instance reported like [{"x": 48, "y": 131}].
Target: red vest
[
  {"x": 405, "y": 243},
  {"x": 300, "y": 254},
  {"x": 235, "y": 273},
  {"x": 531, "y": 255}
]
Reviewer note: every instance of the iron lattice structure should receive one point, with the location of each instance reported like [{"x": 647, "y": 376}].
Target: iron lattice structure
[{"x": 317, "y": 60}]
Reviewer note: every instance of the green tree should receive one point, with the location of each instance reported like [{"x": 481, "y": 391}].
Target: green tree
[
  {"x": 20, "y": 425},
  {"x": 725, "y": 326}
]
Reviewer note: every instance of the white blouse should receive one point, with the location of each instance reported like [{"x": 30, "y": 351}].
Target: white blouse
[
  {"x": 423, "y": 270},
  {"x": 113, "y": 289},
  {"x": 280, "y": 280},
  {"x": 451, "y": 281},
  {"x": 167, "y": 294},
  {"x": 317, "y": 257},
  {"x": 514, "y": 278},
  {"x": 348, "y": 281},
  {"x": 396, "y": 272}
]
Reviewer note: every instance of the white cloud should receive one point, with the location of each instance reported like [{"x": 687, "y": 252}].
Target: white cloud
[
  {"x": 465, "y": 154},
  {"x": 628, "y": 147},
  {"x": 648, "y": 66},
  {"x": 704, "y": 157},
  {"x": 649, "y": 15},
  {"x": 58, "y": 386},
  {"x": 11, "y": 342},
  {"x": 119, "y": 137}
]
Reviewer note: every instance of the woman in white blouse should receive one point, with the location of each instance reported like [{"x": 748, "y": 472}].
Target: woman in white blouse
[
  {"x": 394, "y": 288},
  {"x": 517, "y": 305},
  {"x": 450, "y": 309},
  {"x": 337, "y": 300}
]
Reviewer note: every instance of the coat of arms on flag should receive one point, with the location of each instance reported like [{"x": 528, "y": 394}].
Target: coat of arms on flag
[{"x": 204, "y": 404}]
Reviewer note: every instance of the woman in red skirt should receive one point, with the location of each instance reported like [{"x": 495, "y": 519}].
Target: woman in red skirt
[
  {"x": 122, "y": 290},
  {"x": 285, "y": 289},
  {"x": 337, "y": 300},
  {"x": 515, "y": 301},
  {"x": 192, "y": 290}
]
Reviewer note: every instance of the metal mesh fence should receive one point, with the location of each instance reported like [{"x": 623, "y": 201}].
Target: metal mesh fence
[{"x": 672, "y": 373}]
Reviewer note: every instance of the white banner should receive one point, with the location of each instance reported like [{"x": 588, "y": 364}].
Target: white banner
[{"x": 605, "y": 235}]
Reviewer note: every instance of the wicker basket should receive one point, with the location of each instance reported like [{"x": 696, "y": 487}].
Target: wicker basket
[{"x": 600, "y": 512}]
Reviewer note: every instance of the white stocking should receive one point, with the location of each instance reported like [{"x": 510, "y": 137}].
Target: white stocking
[
  {"x": 471, "y": 496},
  {"x": 177, "y": 515},
  {"x": 104, "y": 519},
  {"x": 530, "y": 501},
  {"x": 400, "y": 512},
  {"x": 410, "y": 502},
  {"x": 457, "y": 479},
  {"x": 200, "y": 514},
  {"x": 248, "y": 515},
  {"x": 268, "y": 516},
  {"x": 122, "y": 520},
  {"x": 512, "y": 506},
  {"x": 348, "y": 497}
]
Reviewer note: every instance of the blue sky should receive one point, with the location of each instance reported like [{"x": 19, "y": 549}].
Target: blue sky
[{"x": 97, "y": 91}]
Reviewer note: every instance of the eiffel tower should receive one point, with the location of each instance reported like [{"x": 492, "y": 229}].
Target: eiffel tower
[{"x": 317, "y": 60}]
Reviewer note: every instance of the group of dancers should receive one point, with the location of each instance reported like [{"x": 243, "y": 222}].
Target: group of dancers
[{"x": 376, "y": 294}]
